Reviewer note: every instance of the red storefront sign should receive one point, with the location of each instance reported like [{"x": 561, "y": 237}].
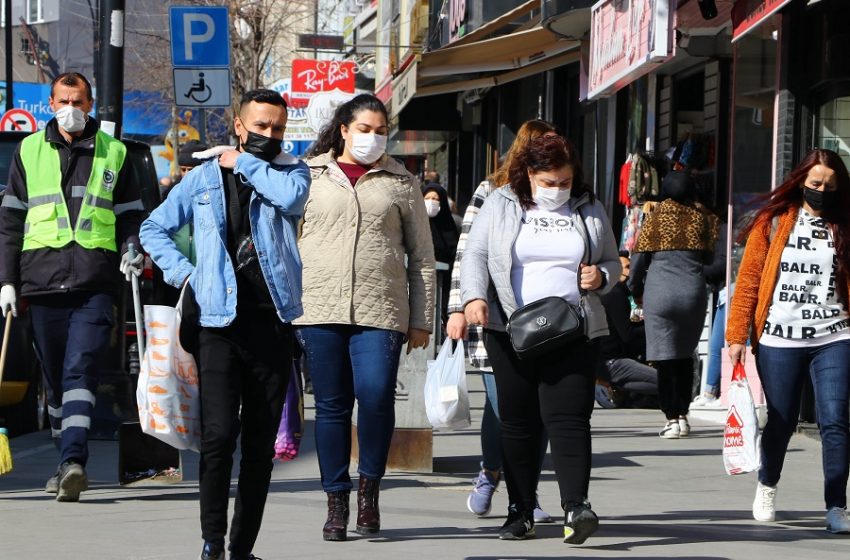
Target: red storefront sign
[
  {"x": 627, "y": 40},
  {"x": 312, "y": 76},
  {"x": 748, "y": 14}
]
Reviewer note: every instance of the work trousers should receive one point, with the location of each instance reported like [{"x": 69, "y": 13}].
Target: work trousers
[{"x": 72, "y": 333}]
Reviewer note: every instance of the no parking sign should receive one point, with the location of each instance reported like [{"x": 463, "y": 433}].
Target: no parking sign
[{"x": 18, "y": 120}]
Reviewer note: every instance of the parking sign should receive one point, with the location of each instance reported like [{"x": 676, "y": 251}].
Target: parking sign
[{"x": 200, "y": 36}]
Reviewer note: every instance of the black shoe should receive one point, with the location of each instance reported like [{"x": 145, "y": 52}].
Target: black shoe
[
  {"x": 249, "y": 557},
  {"x": 213, "y": 550},
  {"x": 72, "y": 481},
  {"x": 519, "y": 526},
  {"x": 580, "y": 523}
]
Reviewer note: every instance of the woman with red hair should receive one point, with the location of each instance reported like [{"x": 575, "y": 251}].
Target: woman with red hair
[{"x": 791, "y": 301}]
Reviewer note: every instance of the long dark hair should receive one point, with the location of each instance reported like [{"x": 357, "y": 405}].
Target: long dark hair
[
  {"x": 545, "y": 154},
  {"x": 330, "y": 138},
  {"x": 790, "y": 195}
]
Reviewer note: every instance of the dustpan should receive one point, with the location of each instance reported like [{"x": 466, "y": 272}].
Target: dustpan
[{"x": 12, "y": 392}]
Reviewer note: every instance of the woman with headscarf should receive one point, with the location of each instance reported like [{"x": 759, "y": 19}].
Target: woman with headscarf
[
  {"x": 444, "y": 234},
  {"x": 667, "y": 270}
]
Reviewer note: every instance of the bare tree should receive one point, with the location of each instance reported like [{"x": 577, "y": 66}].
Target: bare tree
[{"x": 263, "y": 36}]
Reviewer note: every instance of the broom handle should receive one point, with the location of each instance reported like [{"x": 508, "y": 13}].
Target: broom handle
[
  {"x": 137, "y": 307},
  {"x": 6, "y": 332}
]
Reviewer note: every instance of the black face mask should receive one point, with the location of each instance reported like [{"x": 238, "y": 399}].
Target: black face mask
[
  {"x": 263, "y": 147},
  {"x": 819, "y": 200}
]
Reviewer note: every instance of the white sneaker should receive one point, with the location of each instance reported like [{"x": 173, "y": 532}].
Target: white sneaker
[
  {"x": 707, "y": 401},
  {"x": 684, "y": 427},
  {"x": 837, "y": 520},
  {"x": 764, "y": 506},
  {"x": 671, "y": 430}
]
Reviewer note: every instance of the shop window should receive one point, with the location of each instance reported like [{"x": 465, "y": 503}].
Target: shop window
[
  {"x": 752, "y": 143},
  {"x": 833, "y": 129}
]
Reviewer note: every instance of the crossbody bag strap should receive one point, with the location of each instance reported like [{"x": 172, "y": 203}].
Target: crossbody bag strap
[
  {"x": 234, "y": 211},
  {"x": 585, "y": 257}
]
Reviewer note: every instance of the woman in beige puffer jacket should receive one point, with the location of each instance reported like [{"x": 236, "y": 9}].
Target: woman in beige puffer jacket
[{"x": 364, "y": 218}]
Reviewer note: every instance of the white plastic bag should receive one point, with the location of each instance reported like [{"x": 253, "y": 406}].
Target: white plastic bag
[
  {"x": 167, "y": 394},
  {"x": 446, "y": 395},
  {"x": 740, "y": 438}
]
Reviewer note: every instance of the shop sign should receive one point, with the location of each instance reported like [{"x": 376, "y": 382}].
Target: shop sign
[
  {"x": 322, "y": 106},
  {"x": 748, "y": 14},
  {"x": 404, "y": 88},
  {"x": 312, "y": 76},
  {"x": 458, "y": 18},
  {"x": 628, "y": 38}
]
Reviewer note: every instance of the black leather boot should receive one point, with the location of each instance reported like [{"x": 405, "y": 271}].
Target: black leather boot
[
  {"x": 368, "y": 514},
  {"x": 336, "y": 526}
]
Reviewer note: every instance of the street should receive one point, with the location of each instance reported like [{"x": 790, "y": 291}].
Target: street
[{"x": 656, "y": 499}]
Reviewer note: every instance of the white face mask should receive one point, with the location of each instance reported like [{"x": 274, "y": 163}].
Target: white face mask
[
  {"x": 70, "y": 119},
  {"x": 432, "y": 207},
  {"x": 551, "y": 199},
  {"x": 367, "y": 148}
]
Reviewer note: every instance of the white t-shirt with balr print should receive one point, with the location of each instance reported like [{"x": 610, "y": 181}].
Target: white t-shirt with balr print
[{"x": 805, "y": 310}]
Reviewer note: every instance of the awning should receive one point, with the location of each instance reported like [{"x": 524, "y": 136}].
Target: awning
[
  {"x": 749, "y": 14},
  {"x": 507, "y": 52},
  {"x": 503, "y": 78}
]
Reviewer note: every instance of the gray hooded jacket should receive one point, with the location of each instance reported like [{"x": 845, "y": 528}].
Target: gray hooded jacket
[{"x": 485, "y": 269}]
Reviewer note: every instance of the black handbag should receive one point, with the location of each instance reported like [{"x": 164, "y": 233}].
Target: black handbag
[{"x": 544, "y": 326}]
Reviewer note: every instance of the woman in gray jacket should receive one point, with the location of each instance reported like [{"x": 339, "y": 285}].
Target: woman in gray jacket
[{"x": 544, "y": 235}]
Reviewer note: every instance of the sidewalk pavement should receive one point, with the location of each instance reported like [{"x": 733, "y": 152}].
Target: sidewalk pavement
[{"x": 656, "y": 499}]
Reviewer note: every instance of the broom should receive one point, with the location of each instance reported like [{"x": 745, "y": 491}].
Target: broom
[{"x": 5, "y": 452}]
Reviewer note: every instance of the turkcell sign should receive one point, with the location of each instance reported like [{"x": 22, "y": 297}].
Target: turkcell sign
[{"x": 200, "y": 36}]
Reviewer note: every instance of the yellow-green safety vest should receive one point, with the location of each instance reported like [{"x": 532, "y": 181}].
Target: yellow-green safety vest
[{"x": 47, "y": 223}]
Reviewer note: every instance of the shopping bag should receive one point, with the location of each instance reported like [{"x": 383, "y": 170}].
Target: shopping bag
[
  {"x": 740, "y": 438},
  {"x": 446, "y": 395},
  {"x": 167, "y": 394},
  {"x": 291, "y": 426}
]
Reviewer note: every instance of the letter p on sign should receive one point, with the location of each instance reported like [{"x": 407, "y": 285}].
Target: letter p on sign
[
  {"x": 190, "y": 38},
  {"x": 200, "y": 36}
]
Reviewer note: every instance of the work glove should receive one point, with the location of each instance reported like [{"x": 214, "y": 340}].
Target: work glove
[
  {"x": 8, "y": 300},
  {"x": 132, "y": 266}
]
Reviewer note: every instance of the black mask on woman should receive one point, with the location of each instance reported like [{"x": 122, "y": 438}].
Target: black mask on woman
[
  {"x": 819, "y": 200},
  {"x": 263, "y": 147}
]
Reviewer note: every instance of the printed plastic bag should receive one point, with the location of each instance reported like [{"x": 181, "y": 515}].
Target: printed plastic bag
[
  {"x": 291, "y": 421},
  {"x": 167, "y": 394},
  {"x": 740, "y": 439},
  {"x": 446, "y": 395}
]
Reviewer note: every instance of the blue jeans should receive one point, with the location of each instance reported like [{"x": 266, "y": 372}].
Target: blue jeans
[
  {"x": 782, "y": 372},
  {"x": 348, "y": 362},
  {"x": 716, "y": 342}
]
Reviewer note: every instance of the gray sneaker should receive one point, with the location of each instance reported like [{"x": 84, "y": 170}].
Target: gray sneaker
[
  {"x": 72, "y": 481},
  {"x": 52, "y": 485},
  {"x": 540, "y": 516},
  {"x": 480, "y": 500}
]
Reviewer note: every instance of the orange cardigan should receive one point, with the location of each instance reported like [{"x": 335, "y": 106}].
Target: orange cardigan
[{"x": 757, "y": 276}]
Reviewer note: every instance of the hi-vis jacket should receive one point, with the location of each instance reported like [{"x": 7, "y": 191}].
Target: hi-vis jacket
[{"x": 67, "y": 213}]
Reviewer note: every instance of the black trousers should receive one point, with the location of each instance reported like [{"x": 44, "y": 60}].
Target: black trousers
[
  {"x": 675, "y": 386},
  {"x": 242, "y": 367},
  {"x": 555, "y": 391}
]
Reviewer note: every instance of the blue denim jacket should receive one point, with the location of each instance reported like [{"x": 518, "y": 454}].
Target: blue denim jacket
[{"x": 277, "y": 204}]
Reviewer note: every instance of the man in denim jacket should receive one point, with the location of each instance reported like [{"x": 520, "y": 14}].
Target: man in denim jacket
[{"x": 242, "y": 294}]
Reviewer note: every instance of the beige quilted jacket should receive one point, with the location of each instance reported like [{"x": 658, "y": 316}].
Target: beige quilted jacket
[{"x": 353, "y": 246}]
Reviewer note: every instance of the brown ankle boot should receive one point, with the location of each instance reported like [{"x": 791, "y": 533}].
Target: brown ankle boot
[
  {"x": 368, "y": 514},
  {"x": 336, "y": 526}
]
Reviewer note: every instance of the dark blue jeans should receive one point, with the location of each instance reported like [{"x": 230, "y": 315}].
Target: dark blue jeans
[
  {"x": 782, "y": 372},
  {"x": 348, "y": 362},
  {"x": 72, "y": 333}
]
